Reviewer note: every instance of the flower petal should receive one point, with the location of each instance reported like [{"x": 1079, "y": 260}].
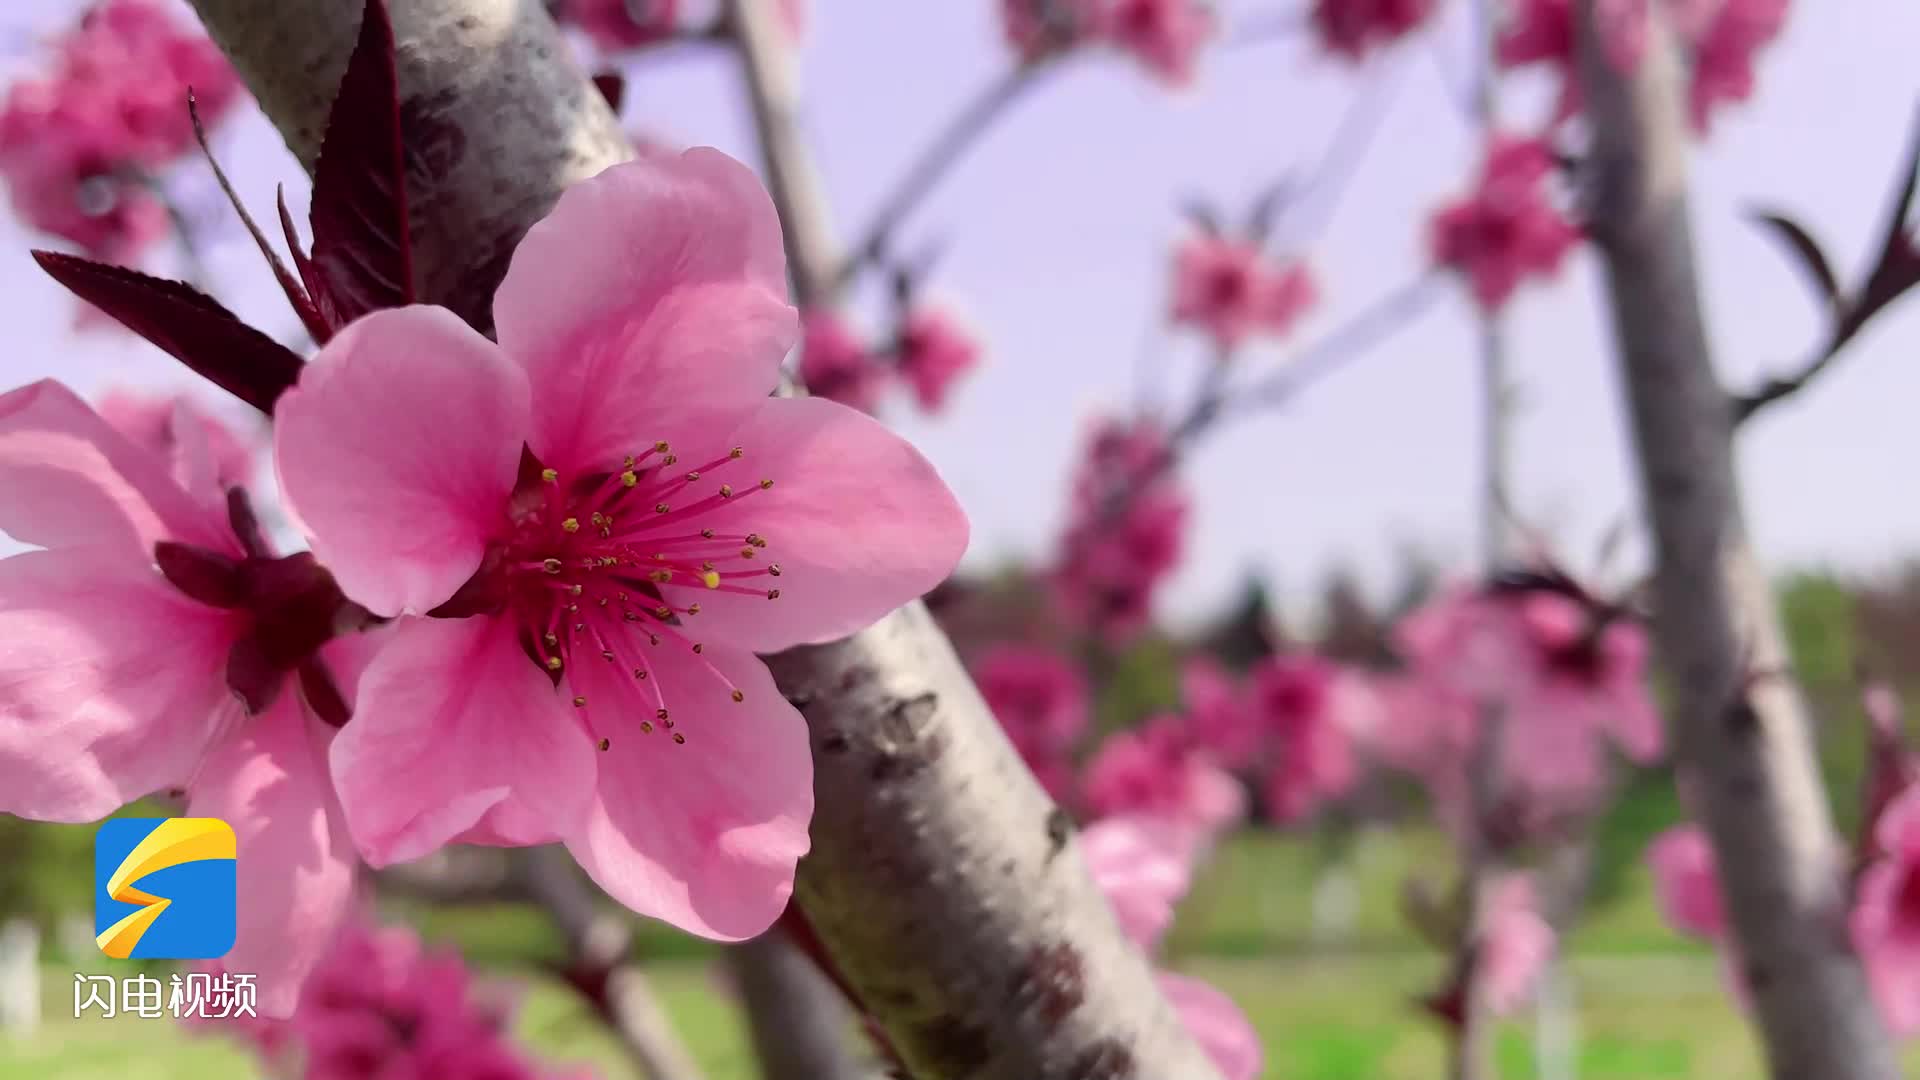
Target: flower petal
[
  {"x": 1217, "y": 1024},
  {"x": 296, "y": 862},
  {"x": 68, "y": 479},
  {"x": 454, "y": 723},
  {"x": 650, "y": 305},
  {"x": 704, "y": 835},
  {"x": 111, "y": 682},
  {"x": 857, "y": 520},
  {"x": 397, "y": 451}
]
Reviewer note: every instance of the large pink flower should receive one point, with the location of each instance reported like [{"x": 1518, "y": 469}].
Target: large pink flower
[
  {"x": 115, "y": 678},
  {"x": 606, "y": 517},
  {"x": 1507, "y": 230},
  {"x": 1230, "y": 289},
  {"x": 1041, "y": 702}
]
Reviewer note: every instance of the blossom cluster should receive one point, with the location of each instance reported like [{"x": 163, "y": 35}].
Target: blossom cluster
[
  {"x": 83, "y": 141},
  {"x": 930, "y": 351},
  {"x": 1163, "y": 36},
  {"x": 1126, "y": 528}
]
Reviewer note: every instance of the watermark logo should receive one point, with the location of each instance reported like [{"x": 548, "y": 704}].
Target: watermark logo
[
  {"x": 199, "y": 995},
  {"x": 163, "y": 888}
]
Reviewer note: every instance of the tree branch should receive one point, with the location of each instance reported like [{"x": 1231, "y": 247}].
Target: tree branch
[
  {"x": 940, "y": 880},
  {"x": 1744, "y": 740},
  {"x": 802, "y": 1028}
]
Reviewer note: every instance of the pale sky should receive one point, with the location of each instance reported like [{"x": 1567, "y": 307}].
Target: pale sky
[{"x": 1057, "y": 230}]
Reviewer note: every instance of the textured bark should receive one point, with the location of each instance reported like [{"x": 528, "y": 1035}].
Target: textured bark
[
  {"x": 801, "y": 1027},
  {"x": 600, "y": 938},
  {"x": 492, "y": 102},
  {"x": 1740, "y": 724},
  {"x": 943, "y": 881}
]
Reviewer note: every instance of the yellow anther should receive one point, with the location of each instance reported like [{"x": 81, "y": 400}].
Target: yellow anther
[
  {"x": 552, "y": 639},
  {"x": 726, "y": 491},
  {"x": 679, "y": 739},
  {"x": 710, "y": 578},
  {"x": 773, "y": 594},
  {"x": 580, "y": 702},
  {"x": 551, "y": 566},
  {"x": 631, "y": 616},
  {"x": 766, "y": 485},
  {"x": 661, "y": 577},
  {"x": 706, "y": 534},
  {"x": 697, "y": 648},
  {"x": 646, "y": 727},
  {"x": 694, "y": 475},
  {"x": 549, "y": 475},
  {"x": 629, "y": 478},
  {"x": 736, "y": 452},
  {"x": 605, "y": 745},
  {"x": 756, "y": 540},
  {"x": 774, "y": 569},
  {"x": 576, "y": 590},
  {"x": 554, "y": 663},
  {"x": 693, "y": 609},
  {"x": 661, "y": 447},
  {"x": 669, "y": 459},
  {"x": 603, "y": 601},
  {"x": 739, "y": 695},
  {"x": 746, "y": 552},
  {"x": 661, "y": 508},
  {"x": 628, "y": 462},
  {"x": 663, "y": 612},
  {"x": 572, "y": 525},
  {"x": 660, "y": 715}
]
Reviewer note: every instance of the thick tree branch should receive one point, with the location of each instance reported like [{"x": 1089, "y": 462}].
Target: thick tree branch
[
  {"x": 1743, "y": 738},
  {"x": 942, "y": 880},
  {"x": 802, "y": 1028}
]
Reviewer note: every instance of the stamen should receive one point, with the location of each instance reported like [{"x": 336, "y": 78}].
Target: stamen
[{"x": 572, "y": 524}]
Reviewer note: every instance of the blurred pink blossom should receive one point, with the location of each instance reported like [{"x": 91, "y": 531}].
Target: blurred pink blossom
[
  {"x": 1039, "y": 28},
  {"x": 1303, "y": 704},
  {"x": 1352, "y": 28},
  {"x": 115, "y": 679},
  {"x": 1165, "y": 36},
  {"x": 1040, "y": 700},
  {"x": 1157, "y": 770},
  {"x": 836, "y": 363},
  {"x": 578, "y": 606},
  {"x": 1217, "y": 1024},
  {"x": 1126, "y": 529},
  {"x": 1686, "y": 883},
  {"x": 1222, "y": 718},
  {"x": 81, "y": 140},
  {"x": 1515, "y": 944},
  {"x": 1231, "y": 290},
  {"x": 153, "y": 422},
  {"x": 1889, "y": 889},
  {"x": 1507, "y": 230},
  {"x": 934, "y": 351},
  {"x": 1724, "y": 52},
  {"x": 383, "y": 1005}
]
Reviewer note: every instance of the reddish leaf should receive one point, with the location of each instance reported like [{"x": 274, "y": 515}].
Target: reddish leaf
[
  {"x": 361, "y": 249},
  {"x": 1802, "y": 244},
  {"x": 324, "y": 307},
  {"x": 296, "y": 295},
  {"x": 184, "y": 322},
  {"x": 612, "y": 86}
]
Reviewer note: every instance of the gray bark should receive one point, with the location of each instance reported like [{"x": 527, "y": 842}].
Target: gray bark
[
  {"x": 1740, "y": 724},
  {"x": 943, "y": 882},
  {"x": 802, "y": 1028}
]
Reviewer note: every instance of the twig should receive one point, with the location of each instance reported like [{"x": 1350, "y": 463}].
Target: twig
[
  {"x": 1266, "y": 27},
  {"x": 1332, "y": 175},
  {"x": 1373, "y": 324},
  {"x": 948, "y": 146}
]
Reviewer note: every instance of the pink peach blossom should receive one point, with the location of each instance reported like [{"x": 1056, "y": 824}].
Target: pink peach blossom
[
  {"x": 1515, "y": 944},
  {"x": 154, "y": 423},
  {"x": 115, "y": 678},
  {"x": 1223, "y": 721},
  {"x": 1889, "y": 890},
  {"x": 1157, "y": 770},
  {"x": 836, "y": 364},
  {"x": 1353, "y": 28},
  {"x": 934, "y": 351},
  {"x": 1300, "y": 701},
  {"x": 1724, "y": 49},
  {"x": 1126, "y": 532},
  {"x": 1506, "y": 231},
  {"x": 1686, "y": 882},
  {"x": 80, "y": 140},
  {"x": 1164, "y": 36},
  {"x": 1217, "y": 1024},
  {"x": 1041, "y": 702},
  {"x": 1231, "y": 290},
  {"x": 1036, "y": 29},
  {"x": 580, "y": 529}
]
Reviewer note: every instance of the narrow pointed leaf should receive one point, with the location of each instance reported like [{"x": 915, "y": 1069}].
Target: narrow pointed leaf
[
  {"x": 328, "y": 314},
  {"x": 296, "y": 294},
  {"x": 361, "y": 246},
  {"x": 1806, "y": 249},
  {"x": 185, "y": 323}
]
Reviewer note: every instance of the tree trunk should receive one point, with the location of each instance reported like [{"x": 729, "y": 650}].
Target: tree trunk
[
  {"x": 942, "y": 881},
  {"x": 1740, "y": 725}
]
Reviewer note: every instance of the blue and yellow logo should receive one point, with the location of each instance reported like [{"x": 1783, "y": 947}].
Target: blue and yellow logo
[{"x": 163, "y": 888}]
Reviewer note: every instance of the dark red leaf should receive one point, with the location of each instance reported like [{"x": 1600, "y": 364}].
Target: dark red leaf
[
  {"x": 185, "y": 323},
  {"x": 1801, "y": 243},
  {"x": 316, "y": 287},
  {"x": 612, "y": 86},
  {"x": 296, "y": 295},
  {"x": 361, "y": 247}
]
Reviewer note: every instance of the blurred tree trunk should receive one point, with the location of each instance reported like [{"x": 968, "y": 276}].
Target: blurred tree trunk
[
  {"x": 943, "y": 883},
  {"x": 1739, "y": 722},
  {"x": 802, "y": 1030}
]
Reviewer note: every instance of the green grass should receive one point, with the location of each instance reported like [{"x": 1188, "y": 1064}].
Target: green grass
[{"x": 1649, "y": 1006}]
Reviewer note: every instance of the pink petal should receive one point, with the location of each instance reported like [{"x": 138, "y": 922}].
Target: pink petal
[
  {"x": 397, "y": 452},
  {"x": 296, "y": 862},
  {"x": 1686, "y": 881},
  {"x": 650, "y": 305},
  {"x": 1144, "y": 866},
  {"x": 704, "y": 835},
  {"x": 454, "y": 723},
  {"x": 858, "y": 521},
  {"x": 67, "y": 479},
  {"x": 1217, "y": 1024},
  {"x": 111, "y": 682},
  {"x": 1898, "y": 830}
]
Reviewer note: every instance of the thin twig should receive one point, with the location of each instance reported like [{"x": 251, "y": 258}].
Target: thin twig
[
  {"x": 1332, "y": 176},
  {"x": 947, "y": 147},
  {"x": 1267, "y": 27},
  {"x": 1355, "y": 337}
]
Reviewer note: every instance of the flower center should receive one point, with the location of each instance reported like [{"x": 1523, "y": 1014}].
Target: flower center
[{"x": 608, "y": 568}]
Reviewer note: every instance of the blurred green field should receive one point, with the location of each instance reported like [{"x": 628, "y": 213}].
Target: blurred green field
[{"x": 1649, "y": 1006}]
